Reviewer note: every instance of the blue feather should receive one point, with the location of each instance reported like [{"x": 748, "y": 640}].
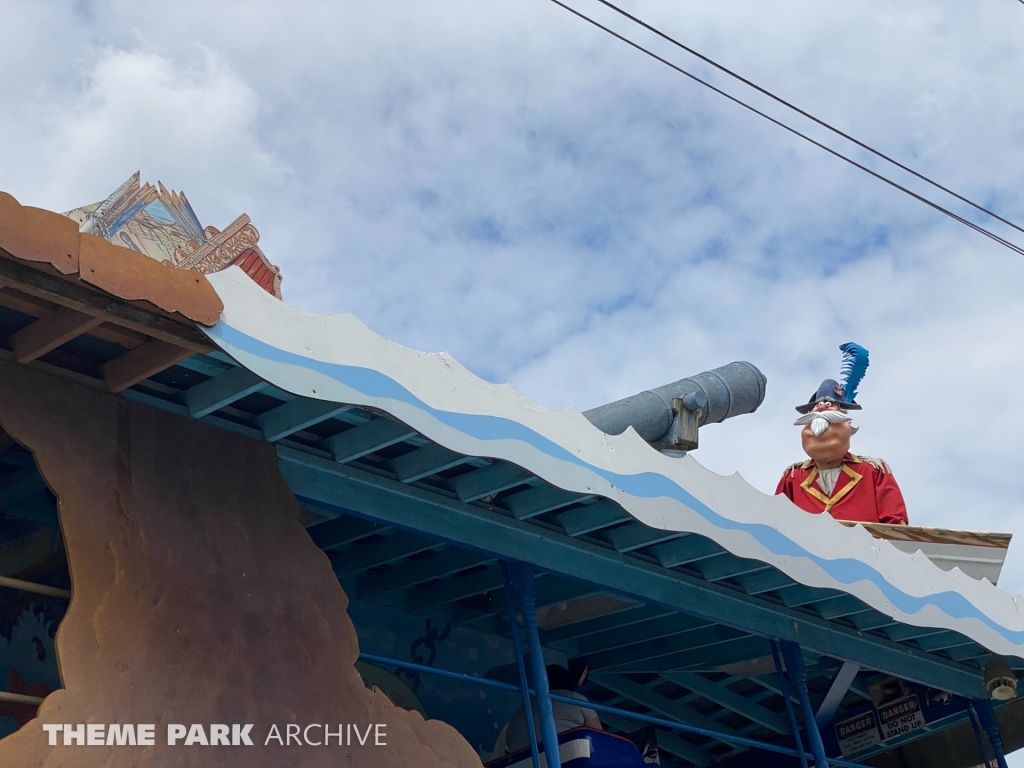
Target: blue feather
[{"x": 855, "y": 365}]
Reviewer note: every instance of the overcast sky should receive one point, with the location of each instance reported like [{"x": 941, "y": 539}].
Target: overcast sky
[{"x": 504, "y": 182}]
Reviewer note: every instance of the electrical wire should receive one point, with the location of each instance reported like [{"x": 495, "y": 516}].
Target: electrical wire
[
  {"x": 809, "y": 116},
  {"x": 981, "y": 230}
]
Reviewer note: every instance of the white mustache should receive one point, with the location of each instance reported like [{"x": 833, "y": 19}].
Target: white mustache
[{"x": 822, "y": 420}]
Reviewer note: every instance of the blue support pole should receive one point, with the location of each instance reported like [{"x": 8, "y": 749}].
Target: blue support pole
[
  {"x": 517, "y": 646},
  {"x": 528, "y": 599},
  {"x": 789, "y": 706},
  {"x": 987, "y": 716},
  {"x": 973, "y": 717},
  {"x": 795, "y": 667}
]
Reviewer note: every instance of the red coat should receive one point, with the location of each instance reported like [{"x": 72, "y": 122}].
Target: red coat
[{"x": 866, "y": 491}]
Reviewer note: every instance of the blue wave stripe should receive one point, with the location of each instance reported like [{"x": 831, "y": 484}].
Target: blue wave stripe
[{"x": 642, "y": 485}]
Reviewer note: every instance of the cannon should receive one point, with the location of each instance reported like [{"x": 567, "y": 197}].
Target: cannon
[{"x": 668, "y": 417}]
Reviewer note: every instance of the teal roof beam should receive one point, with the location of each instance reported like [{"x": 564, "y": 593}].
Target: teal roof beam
[
  {"x": 590, "y": 518},
  {"x": 488, "y": 481},
  {"x": 221, "y": 390},
  {"x": 626, "y": 617},
  {"x": 476, "y": 527},
  {"x": 729, "y": 699},
  {"x": 296, "y": 415}
]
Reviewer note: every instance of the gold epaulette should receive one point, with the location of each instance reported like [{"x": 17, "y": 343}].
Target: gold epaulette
[
  {"x": 878, "y": 464},
  {"x": 797, "y": 465}
]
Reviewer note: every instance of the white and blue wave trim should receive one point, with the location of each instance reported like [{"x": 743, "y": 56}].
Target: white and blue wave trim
[{"x": 292, "y": 371}]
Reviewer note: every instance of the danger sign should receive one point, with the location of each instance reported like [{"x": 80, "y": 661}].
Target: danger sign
[
  {"x": 857, "y": 734},
  {"x": 900, "y": 717}
]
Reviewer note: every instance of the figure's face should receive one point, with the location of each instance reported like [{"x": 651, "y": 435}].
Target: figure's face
[{"x": 832, "y": 444}]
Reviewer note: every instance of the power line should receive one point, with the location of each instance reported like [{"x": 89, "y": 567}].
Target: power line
[
  {"x": 880, "y": 177},
  {"x": 809, "y": 116}
]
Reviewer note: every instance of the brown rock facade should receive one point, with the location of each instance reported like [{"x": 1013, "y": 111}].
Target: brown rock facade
[{"x": 198, "y": 597}]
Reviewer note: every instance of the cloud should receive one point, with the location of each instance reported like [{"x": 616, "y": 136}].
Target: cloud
[{"x": 138, "y": 109}]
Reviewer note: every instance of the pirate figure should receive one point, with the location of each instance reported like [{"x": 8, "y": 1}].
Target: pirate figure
[{"x": 833, "y": 480}]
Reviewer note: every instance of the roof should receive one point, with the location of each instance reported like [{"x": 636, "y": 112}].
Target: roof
[{"x": 337, "y": 359}]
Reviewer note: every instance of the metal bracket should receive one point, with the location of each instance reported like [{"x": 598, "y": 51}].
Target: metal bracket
[{"x": 685, "y": 424}]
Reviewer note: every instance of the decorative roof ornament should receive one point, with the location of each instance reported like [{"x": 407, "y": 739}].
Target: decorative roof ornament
[{"x": 162, "y": 225}]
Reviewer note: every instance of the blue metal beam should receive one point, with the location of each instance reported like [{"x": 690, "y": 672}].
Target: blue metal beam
[
  {"x": 367, "y": 438},
  {"x": 786, "y": 698},
  {"x": 663, "y": 705},
  {"x": 205, "y": 364},
  {"x": 592, "y": 517},
  {"x": 474, "y": 527},
  {"x": 463, "y": 585},
  {"x": 521, "y": 582},
  {"x": 632, "y": 536},
  {"x": 426, "y": 461},
  {"x": 800, "y": 595},
  {"x": 728, "y": 566},
  {"x": 624, "y": 618},
  {"x": 903, "y": 632},
  {"x": 982, "y": 748},
  {"x": 343, "y": 530},
  {"x": 987, "y": 716},
  {"x": 550, "y": 590},
  {"x": 685, "y": 550},
  {"x": 296, "y": 415},
  {"x": 709, "y": 658},
  {"x": 490, "y": 480},
  {"x": 221, "y": 390},
  {"x": 967, "y": 652},
  {"x": 382, "y": 551},
  {"x": 628, "y": 636},
  {"x": 704, "y": 634},
  {"x": 405, "y": 575},
  {"x": 764, "y": 581},
  {"x": 517, "y": 648},
  {"x": 729, "y": 699},
  {"x": 538, "y": 500},
  {"x": 836, "y": 693},
  {"x": 943, "y": 641},
  {"x": 796, "y": 672},
  {"x": 871, "y": 620},
  {"x": 838, "y": 607}
]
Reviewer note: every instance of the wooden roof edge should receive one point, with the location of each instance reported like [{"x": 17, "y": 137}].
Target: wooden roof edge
[
  {"x": 38, "y": 280},
  {"x": 934, "y": 535},
  {"x": 51, "y": 242}
]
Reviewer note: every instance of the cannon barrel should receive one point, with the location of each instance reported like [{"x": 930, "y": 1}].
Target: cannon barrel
[{"x": 720, "y": 394}]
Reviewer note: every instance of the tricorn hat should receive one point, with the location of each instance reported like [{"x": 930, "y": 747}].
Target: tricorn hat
[{"x": 855, "y": 363}]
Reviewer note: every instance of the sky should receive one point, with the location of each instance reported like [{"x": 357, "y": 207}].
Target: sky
[{"x": 555, "y": 209}]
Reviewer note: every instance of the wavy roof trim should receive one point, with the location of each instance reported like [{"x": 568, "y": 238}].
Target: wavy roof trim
[{"x": 338, "y": 359}]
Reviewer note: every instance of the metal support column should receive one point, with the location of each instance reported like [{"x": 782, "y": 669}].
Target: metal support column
[
  {"x": 987, "y": 716},
  {"x": 795, "y": 667},
  {"x": 973, "y": 717},
  {"x": 784, "y": 686},
  {"x": 523, "y": 577},
  {"x": 517, "y": 647}
]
